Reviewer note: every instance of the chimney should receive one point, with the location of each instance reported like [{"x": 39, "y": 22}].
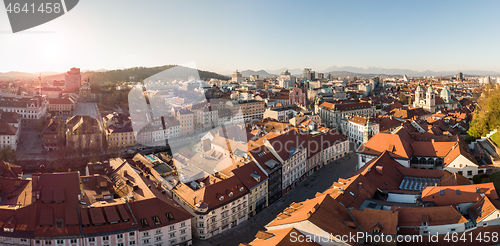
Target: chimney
[{"x": 125, "y": 173}]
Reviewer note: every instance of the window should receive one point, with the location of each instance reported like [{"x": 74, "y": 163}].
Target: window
[
  {"x": 48, "y": 242},
  {"x": 91, "y": 239},
  {"x": 172, "y": 227},
  {"x": 105, "y": 238},
  {"x": 183, "y": 231},
  {"x": 183, "y": 224},
  {"x": 145, "y": 234},
  {"x": 146, "y": 241},
  {"x": 172, "y": 242},
  {"x": 131, "y": 234},
  {"x": 59, "y": 224},
  {"x": 120, "y": 244},
  {"x": 144, "y": 223},
  {"x": 170, "y": 216},
  {"x": 201, "y": 232},
  {"x": 131, "y": 243},
  {"x": 183, "y": 239},
  {"x": 469, "y": 173},
  {"x": 156, "y": 220},
  {"x": 171, "y": 235},
  {"x": 72, "y": 241},
  {"x": 59, "y": 241},
  {"x": 158, "y": 238},
  {"x": 119, "y": 236}
]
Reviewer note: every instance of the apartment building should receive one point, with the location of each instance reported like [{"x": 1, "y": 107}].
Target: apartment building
[
  {"x": 256, "y": 181},
  {"x": 332, "y": 113},
  {"x": 30, "y": 108},
  {"x": 61, "y": 105},
  {"x": 186, "y": 121},
  {"x": 252, "y": 110},
  {"x": 216, "y": 204}
]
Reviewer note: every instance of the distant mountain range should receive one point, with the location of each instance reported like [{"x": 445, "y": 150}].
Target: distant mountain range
[
  {"x": 20, "y": 75},
  {"x": 339, "y": 71},
  {"x": 411, "y": 73}
]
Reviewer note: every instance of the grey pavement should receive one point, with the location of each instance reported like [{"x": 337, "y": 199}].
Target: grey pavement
[
  {"x": 87, "y": 108},
  {"x": 30, "y": 143},
  {"x": 318, "y": 182}
]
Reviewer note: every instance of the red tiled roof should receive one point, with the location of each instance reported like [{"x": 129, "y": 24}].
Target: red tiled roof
[
  {"x": 468, "y": 193},
  {"x": 414, "y": 216}
]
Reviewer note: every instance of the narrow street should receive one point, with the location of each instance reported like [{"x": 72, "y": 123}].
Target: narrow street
[{"x": 318, "y": 182}]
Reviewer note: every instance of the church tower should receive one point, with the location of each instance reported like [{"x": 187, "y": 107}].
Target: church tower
[
  {"x": 419, "y": 95},
  {"x": 431, "y": 99}
]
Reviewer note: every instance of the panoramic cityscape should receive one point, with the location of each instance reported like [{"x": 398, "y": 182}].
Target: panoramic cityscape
[{"x": 258, "y": 140}]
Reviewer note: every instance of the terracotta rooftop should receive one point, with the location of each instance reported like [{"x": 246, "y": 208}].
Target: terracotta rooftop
[
  {"x": 415, "y": 216},
  {"x": 452, "y": 195},
  {"x": 281, "y": 237}
]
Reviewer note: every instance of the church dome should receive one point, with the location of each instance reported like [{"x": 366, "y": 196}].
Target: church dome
[
  {"x": 445, "y": 92},
  {"x": 419, "y": 88}
]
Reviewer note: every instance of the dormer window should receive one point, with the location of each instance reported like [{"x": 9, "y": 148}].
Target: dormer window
[
  {"x": 221, "y": 198},
  {"x": 144, "y": 223},
  {"x": 156, "y": 220},
  {"x": 230, "y": 194},
  {"x": 241, "y": 189}
]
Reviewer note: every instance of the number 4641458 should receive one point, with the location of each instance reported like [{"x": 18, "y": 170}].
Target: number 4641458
[{"x": 47, "y": 8}]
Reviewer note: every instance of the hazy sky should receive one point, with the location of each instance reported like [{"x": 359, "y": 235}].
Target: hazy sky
[{"x": 228, "y": 35}]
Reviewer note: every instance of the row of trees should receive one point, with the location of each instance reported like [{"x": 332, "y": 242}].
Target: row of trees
[{"x": 487, "y": 113}]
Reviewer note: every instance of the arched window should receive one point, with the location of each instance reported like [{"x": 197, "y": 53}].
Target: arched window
[{"x": 423, "y": 160}]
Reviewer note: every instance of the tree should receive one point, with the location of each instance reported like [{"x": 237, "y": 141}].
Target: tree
[
  {"x": 7, "y": 154},
  {"x": 487, "y": 113},
  {"x": 402, "y": 98}
]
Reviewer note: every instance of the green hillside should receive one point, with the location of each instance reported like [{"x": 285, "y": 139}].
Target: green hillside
[{"x": 139, "y": 74}]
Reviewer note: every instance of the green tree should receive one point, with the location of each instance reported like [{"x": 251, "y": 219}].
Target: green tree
[
  {"x": 7, "y": 154},
  {"x": 487, "y": 113},
  {"x": 403, "y": 99}
]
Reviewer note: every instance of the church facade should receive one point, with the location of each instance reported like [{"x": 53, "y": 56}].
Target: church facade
[{"x": 432, "y": 102}]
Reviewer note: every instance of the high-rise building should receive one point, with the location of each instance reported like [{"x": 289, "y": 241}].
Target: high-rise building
[
  {"x": 237, "y": 77},
  {"x": 72, "y": 79},
  {"x": 306, "y": 74},
  {"x": 286, "y": 80},
  {"x": 321, "y": 76},
  {"x": 460, "y": 76}
]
